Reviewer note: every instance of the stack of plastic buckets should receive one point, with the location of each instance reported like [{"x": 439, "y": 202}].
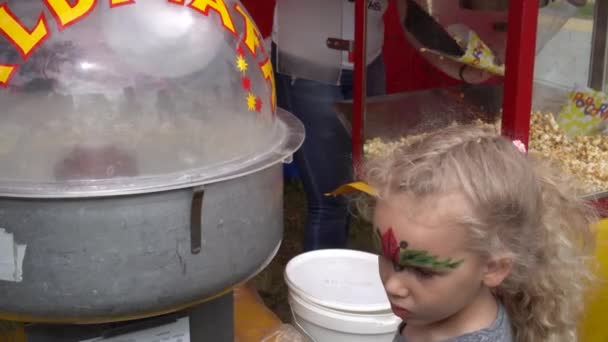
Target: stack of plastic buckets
[{"x": 337, "y": 296}]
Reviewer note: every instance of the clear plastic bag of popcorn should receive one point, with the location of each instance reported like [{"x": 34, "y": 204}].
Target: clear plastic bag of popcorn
[{"x": 477, "y": 53}]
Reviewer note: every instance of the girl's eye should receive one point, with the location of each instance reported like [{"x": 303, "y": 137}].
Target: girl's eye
[
  {"x": 422, "y": 273},
  {"x": 417, "y": 271}
]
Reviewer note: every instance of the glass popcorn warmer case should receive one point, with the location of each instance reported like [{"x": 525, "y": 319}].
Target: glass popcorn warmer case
[{"x": 569, "y": 109}]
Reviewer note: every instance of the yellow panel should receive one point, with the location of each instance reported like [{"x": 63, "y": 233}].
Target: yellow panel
[
  {"x": 252, "y": 319},
  {"x": 594, "y": 327}
]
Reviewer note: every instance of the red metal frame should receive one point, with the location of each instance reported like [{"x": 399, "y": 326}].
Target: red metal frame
[
  {"x": 519, "y": 77},
  {"x": 359, "y": 91}
]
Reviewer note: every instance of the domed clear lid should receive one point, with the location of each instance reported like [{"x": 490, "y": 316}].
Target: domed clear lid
[{"x": 123, "y": 96}]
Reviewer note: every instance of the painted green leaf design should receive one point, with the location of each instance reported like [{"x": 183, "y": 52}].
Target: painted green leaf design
[
  {"x": 416, "y": 258},
  {"x": 403, "y": 257}
]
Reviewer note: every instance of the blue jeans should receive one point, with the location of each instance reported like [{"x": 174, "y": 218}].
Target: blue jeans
[{"x": 325, "y": 160}]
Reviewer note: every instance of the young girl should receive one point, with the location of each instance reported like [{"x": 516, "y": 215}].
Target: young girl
[{"x": 479, "y": 240}]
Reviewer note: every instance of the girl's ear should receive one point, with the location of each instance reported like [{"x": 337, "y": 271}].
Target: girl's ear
[{"x": 497, "y": 269}]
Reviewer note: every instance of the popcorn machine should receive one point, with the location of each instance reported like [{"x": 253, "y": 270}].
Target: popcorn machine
[{"x": 502, "y": 40}]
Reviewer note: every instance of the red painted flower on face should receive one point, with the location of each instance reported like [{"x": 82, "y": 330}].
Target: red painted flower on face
[{"x": 390, "y": 247}]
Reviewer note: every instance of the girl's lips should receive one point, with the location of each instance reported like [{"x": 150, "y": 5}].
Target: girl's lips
[{"x": 399, "y": 311}]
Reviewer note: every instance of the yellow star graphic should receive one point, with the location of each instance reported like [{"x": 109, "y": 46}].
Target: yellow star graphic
[
  {"x": 241, "y": 64},
  {"x": 251, "y": 102}
]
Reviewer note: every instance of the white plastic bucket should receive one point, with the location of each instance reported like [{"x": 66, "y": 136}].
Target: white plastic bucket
[{"x": 336, "y": 296}]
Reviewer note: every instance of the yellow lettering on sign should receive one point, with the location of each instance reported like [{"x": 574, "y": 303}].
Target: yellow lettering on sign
[
  {"x": 6, "y": 72},
  {"x": 25, "y": 41},
  {"x": 266, "y": 67},
  {"x": 66, "y": 14},
  {"x": 252, "y": 35},
  {"x": 116, "y": 3},
  {"x": 179, "y": 2},
  {"x": 219, "y": 6}
]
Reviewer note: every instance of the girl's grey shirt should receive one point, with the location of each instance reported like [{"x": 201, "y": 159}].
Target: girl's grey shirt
[{"x": 499, "y": 331}]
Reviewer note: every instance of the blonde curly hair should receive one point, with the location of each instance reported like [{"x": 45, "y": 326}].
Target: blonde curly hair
[{"x": 523, "y": 206}]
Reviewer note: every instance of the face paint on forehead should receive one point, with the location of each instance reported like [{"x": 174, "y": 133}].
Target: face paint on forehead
[{"x": 386, "y": 244}]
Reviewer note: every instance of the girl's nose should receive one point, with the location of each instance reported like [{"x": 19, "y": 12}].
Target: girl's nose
[{"x": 396, "y": 286}]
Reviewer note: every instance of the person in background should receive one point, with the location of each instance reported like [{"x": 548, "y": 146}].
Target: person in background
[
  {"x": 324, "y": 161},
  {"x": 309, "y": 91},
  {"x": 478, "y": 240}
]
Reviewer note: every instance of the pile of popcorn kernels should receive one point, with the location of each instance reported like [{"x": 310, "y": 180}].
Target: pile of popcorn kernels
[{"x": 586, "y": 157}]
